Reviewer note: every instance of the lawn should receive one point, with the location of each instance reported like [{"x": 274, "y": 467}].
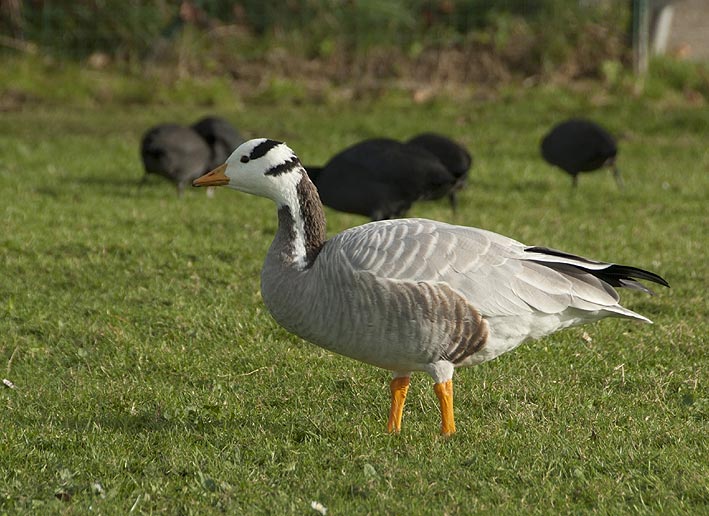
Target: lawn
[{"x": 150, "y": 379}]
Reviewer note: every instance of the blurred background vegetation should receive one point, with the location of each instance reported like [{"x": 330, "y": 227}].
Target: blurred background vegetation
[{"x": 305, "y": 48}]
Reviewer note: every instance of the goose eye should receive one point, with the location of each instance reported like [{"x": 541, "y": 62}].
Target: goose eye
[{"x": 244, "y": 159}]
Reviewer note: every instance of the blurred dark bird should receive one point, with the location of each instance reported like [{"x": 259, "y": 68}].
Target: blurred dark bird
[
  {"x": 454, "y": 157},
  {"x": 380, "y": 178},
  {"x": 578, "y": 145},
  {"x": 221, "y": 137},
  {"x": 176, "y": 153}
]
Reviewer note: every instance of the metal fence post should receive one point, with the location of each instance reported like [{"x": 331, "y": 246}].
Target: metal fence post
[{"x": 641, "y": 36}]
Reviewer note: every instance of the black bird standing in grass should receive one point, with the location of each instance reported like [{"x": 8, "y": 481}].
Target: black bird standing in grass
[
  {"x": 182, "y": 154},
  {"x": 221, "y": 137},
  {"x": 578, "y": 145},
  {"x": 454, "y": 157},
  {"x": 381, "y": 177},
  {"x": 176, "y": 153}
]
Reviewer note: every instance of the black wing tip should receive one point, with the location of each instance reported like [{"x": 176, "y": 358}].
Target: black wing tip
[
  {"x": 626, "y": 271},
  {"x": 560, "y": 254},
  {"x": 614, "y": 272}
]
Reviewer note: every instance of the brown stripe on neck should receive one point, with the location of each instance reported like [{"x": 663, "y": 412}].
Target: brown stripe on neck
[
  {"x": 313, "y": 218},
  {"x": 286, "y": 230}
]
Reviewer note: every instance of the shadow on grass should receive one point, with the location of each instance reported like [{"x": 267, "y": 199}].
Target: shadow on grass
[
  {"x": 123, "y": 187},
  {"x": 153, "y": 421},
  {"x": 523, "y": 185},
  {"x": 116, "y": 182},
  {"x": 85, "y": 189}
]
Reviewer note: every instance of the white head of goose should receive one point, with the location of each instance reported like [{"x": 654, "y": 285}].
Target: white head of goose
[{"x": 413, "y": 294}]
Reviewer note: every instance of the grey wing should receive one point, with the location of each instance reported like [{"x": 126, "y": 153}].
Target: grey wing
[{"x": 494, "y": 273}]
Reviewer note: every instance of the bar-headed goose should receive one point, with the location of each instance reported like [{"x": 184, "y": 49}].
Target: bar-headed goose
[
  {"x": 579, "y": 145},
  {"x": 413, "y": 294}
]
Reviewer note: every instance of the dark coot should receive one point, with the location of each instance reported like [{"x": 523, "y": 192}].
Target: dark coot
[
  {"x": 454, "y": 157},
  {"x": 578, "y": 145},
  {"x": 220, "y": 135},
  {"x": 176, "y": 153},
  {"x": 380, "y": 178}
]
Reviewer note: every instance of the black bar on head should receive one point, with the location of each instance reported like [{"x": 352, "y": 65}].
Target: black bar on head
[
  {"x": 284, "y": 167},
  {"x": 262, "y": 148}
]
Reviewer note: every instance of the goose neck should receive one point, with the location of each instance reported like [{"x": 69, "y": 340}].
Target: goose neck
[{"x": 301, "y": 226}]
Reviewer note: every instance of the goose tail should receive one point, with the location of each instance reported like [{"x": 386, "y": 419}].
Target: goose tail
[
  {"x": 626, "y": 276},
  {"x": 622, "y": 276}
]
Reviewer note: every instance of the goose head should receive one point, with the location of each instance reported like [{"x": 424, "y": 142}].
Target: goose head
[
  {"x": 269, "y": 168},
  {"x": 263, "y": 167}
]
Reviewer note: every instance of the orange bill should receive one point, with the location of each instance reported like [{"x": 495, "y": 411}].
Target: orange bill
[{"x": 216, "y": 177}]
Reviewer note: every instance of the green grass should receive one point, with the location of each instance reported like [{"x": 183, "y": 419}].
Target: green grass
[{"x": 150, "y": 377}]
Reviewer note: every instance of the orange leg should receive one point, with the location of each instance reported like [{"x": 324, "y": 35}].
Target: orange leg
[
  {"x": 399, "y": 387},
  {"x": 444, "y": 391}
]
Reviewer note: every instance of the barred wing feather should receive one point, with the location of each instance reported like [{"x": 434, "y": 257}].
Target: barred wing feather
[{"x": 498, "y": 275}]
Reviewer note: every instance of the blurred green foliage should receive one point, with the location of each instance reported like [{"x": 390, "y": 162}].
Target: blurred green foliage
[
  {"x": 271, "y": 44},
  {"x": 673, "y": 74},
  {"x": 132, "y": 29}
]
